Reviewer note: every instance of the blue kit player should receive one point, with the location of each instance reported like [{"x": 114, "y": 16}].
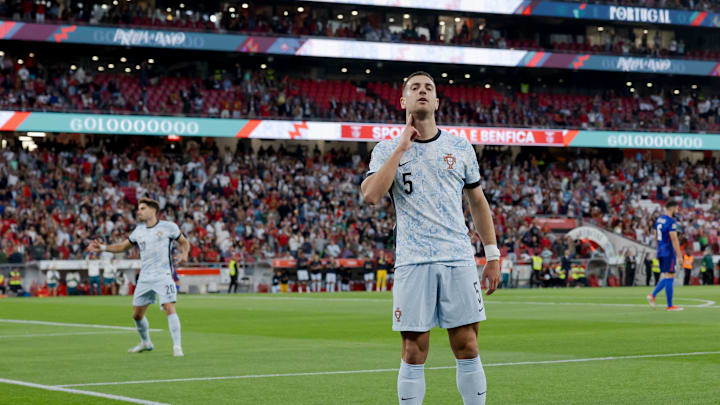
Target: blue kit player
[
  {"x": 668, "y": 250},
  {"x": 427, "y": 171}
]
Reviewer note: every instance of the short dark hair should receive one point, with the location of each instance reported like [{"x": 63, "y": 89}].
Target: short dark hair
[
  {"x": 418, "y": 73},
  {"x": 150, "y": 203},
  {"x": 671, "y": 204}
]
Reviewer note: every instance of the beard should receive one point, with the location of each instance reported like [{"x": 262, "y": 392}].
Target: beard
[{"x": 422, "y": 113}]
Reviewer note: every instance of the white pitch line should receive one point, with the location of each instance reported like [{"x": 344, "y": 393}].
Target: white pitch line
[
  {"x": 72, "y": 325},
  {"x": 707, "y": 304},
  {"x": 281, "y": 298},
  {"x": 387, "y": 370},
  {"x": 31, "y": 335},
  {"x": 81, "y": 392}
]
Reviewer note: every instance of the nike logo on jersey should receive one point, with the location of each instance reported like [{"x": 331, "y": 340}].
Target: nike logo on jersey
[
  {"x": 403, "y": 164},
  {"x": 482, "y": 393},
  {"x": 405, "y": 399}
]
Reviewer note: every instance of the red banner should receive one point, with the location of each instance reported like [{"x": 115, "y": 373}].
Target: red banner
[
  {"x": 291, "y": 263},
  {"x": 556, "y": 223},
  {"x": 476, "y": 135},
  {"x": 199, "y": 272}
]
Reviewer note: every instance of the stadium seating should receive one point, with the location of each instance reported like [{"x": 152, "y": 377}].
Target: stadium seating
[
  {"x": 259, "y": 95},
  {"x": 269, "y": 219}
]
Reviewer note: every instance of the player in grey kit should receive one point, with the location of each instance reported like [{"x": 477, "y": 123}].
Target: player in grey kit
[
  {"x": 154, "y": 238},
  {"x": 426, "y": 172}
]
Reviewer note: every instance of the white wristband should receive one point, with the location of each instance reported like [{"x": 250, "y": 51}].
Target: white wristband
[
  {"x": 492, "y": 253},
  {"x": 103, "y": 247}
]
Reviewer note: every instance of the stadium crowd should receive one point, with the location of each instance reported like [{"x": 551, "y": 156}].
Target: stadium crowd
[
  {"x": 373, "y": 26},
  {"x": 27, "y": 84},
  {"x": 273, "y": 203}
]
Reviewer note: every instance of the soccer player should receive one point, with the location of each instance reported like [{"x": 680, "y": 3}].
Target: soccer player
[
  {"x": 668, "y": 250},
  {"x": 369, "y": 273},
  {"x": 302, "y": 272},
  {"x": 52, "y": 280},
  {"x": 436, "y": 279},
  {"x": 331, "y": 275},
  {"x": 154, "y": 238},
  {"x": 316, "y": 274},
  {"x": 93, "y": 267}
]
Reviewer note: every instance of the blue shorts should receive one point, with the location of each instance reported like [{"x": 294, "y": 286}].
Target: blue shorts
[
  {"x": 95, "y": 280},
  {"x": 667, "y": 264},
  {"x": 52, "y": 285}
]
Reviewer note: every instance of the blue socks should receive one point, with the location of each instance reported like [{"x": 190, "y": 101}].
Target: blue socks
[
  {"x": 659, "y": 287},
  {"x": 667, "y": 284}
]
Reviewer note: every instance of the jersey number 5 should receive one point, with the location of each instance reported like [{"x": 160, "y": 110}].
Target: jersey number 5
[{"x": 407, "y": 184}]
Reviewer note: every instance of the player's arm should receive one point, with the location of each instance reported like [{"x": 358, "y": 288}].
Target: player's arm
[
  {"x": 676, "y": 244},
  {"x": 184, "y": 250},
  {"x": 95, "y": 246},
  {"x": 375, "y": 186},
  {"x": 482, "y": 218}
]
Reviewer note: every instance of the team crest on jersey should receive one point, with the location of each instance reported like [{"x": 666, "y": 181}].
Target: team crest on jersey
[
  {"x": 450, "y": 160},
  {"x": 398, "y": 314},
  {"x": 159, "y": 234}
]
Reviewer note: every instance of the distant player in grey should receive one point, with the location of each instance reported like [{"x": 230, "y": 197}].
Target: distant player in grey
[
  {"x": 154, "y": 238},
  {"x": 436, "y": 280}
]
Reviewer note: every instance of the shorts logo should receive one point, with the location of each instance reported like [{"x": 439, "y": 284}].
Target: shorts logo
[
  {"x": 398, "y": 314},
  {"x": 450, "y": 160}
]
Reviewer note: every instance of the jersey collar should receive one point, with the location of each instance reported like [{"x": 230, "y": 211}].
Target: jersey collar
[{"x": 431, "y": 139}]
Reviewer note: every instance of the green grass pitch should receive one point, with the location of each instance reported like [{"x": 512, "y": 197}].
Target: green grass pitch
[{"x": 262, "y": 338}]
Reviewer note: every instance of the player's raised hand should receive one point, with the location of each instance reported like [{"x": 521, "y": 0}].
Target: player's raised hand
[
  {"x": 491, "y": 276},
  {"x": 408, "y": 135},
  {"x": 94, "y": 246}
]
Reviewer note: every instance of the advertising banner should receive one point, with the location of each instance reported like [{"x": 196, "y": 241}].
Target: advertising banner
[
  {"x": 341, "y": 131},
  {"x": 350, "y": 49},
  {"x": 561, "y": 9}
]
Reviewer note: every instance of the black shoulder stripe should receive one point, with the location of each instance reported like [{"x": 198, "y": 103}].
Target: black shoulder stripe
[{"x": 472, "y": 185}]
